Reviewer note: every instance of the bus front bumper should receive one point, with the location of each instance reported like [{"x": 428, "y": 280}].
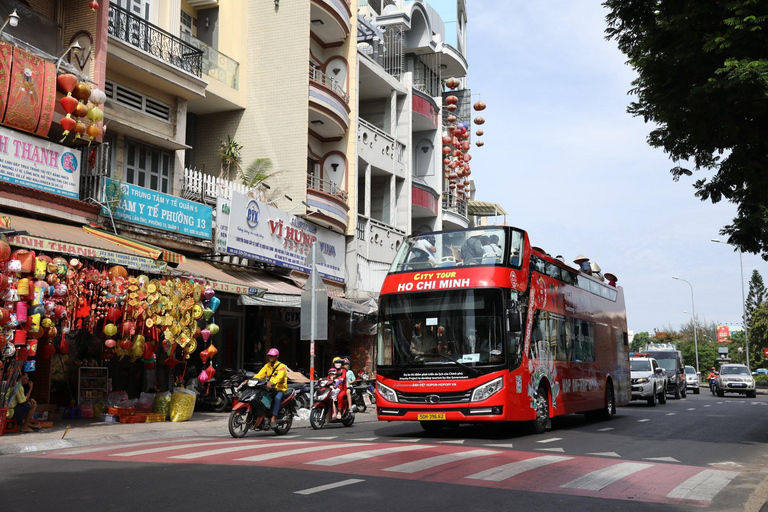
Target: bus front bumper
[{"x": 464, "y": 414}]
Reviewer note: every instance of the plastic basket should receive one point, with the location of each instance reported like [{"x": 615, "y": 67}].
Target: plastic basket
[
  {"x": 121, "y": 411},
  {"x": 133, "y": 419},
  {"x": 154, "y": 417}
]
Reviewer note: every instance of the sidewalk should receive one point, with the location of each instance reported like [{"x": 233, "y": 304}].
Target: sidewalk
[{"x": 93, "y": 432}]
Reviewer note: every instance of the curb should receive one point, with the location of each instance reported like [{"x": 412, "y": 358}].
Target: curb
[{"x": 57, "y": 444}]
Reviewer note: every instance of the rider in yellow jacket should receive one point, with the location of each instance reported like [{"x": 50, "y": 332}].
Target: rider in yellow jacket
[{"x": 276, "y": 373}]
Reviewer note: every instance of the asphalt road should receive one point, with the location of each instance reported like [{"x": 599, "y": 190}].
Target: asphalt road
[{"x": 702, "y": 452}]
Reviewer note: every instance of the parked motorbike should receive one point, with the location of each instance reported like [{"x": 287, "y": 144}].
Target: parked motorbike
[
  {"x": 252, "y": 409},
  {"x": 302, "y": 393},
  {"x": 361, "y": 391},
  {"x": 217, "y": 392},
  {"x": 323, "y": 408}
]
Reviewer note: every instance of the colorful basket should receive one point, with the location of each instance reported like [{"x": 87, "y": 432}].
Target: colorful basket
[{"x": 133, "y": 419}]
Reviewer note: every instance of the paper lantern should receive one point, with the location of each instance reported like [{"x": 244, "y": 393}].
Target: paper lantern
[
  {"x": 81, "y": 110},
  {"x": 82, "y": 91},
  {"x": 94, "y": 5},
  {"x": 47, "y": 351},
  {"x": 451, "y": 108},
  {"x": 171, "y": 361},
  {"x": 97, "y": 96},
  {"x": 479, "y": 120},
  {"x": 212, "y": 350},
  {"x": 206, "y": 334},
  {"x": 479, "y": 133},
  {"x": 66, "y": 82},
  {"x": 126, "y": 344},
  {"x": 95, "y": 114},
  {"x": 21, "y": 312},
  {"x": 110, "y": 330},
  {"x": 451, "y": 100},
  {"x": 479, "y": 105},
  {"x": 446, "y": 139},
  {"x": 479, "y": 143},
  {"x": 452, "y": 83},
  {"x": 114, "y": 314},
  {"x": 214, "y": 303},
  {"x": 451, "y": 118},
  {"x": 5, "y": 251},
  {"x": 204, "y": 357},
  {"x": 213, "y": 328},
  {"x": 209, "y": 293},
  {"x": 64, "y": 346},
  {"x": 207, "y": 314},
  {"x": 203, "y": 377},
  {"x": 118, "y": 271}
]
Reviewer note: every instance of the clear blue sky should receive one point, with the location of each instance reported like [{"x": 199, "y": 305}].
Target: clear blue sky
[{"x": 573, "y": 168}]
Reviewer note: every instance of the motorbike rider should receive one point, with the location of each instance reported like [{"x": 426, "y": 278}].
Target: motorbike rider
[
  {"x": 350, "y": 380},
  {"x": 712, "y": 377},
  {"x": 276, "y": 374},
  {"x": 341, "y": 374}
]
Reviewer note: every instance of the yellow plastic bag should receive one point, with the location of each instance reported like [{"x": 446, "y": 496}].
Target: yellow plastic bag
[
  {"x": 162, "y": 403},
  {"x": 182, "y": 405}
]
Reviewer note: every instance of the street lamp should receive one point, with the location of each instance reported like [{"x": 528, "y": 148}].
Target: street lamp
[
  {"x": 695, "y": 335},
  {"x": 743, "y": 301},
  {"x": 12, "y": 20}
]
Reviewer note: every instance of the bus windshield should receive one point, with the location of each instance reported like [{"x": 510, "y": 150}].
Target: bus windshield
[
  {"x": 481, "y": 246},
  {"x": 458, "y": 327}
]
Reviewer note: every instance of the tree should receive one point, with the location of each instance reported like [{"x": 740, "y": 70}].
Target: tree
[
  {"x": 639, "y": 341},
  {"x": 229, "y": 154},
  {"x": 755, "y": 297},
  {"x": 703, "y": 79},
  {"x": 256, "y": 174},
  {"x": 758, "y": 336}
]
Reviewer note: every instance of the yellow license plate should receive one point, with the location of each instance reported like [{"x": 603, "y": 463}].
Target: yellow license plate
[{"x": 432, "y": 416}]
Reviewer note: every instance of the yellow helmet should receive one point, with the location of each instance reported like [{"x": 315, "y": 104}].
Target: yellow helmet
[{"x": 336, "y": 359}]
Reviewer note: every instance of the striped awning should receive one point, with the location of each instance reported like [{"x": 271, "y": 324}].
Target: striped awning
[
  {"x": 484, "y": 209},
  {"x": 151, "y": 251}
]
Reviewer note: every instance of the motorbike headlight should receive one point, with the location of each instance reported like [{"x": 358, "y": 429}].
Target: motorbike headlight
[
  {"x": 486, "y": 390},
  {"x": 386, "y": 392}
]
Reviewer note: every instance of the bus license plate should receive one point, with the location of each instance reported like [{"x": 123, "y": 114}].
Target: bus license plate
[{"x": 432, "y": 416}]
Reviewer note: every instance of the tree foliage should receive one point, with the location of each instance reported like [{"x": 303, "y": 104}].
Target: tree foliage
[
  {"x": 755, "y": 297},
  {"x": 758, "y": 337},
  {"x": 703, "y": 80},
  {"x": 639, "y": 341}
]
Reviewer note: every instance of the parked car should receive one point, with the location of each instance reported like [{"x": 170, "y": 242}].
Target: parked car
[
  {"x": 692, "y": 380},
  {"x": 649, "y": 381},
  {"x": 736, "y": 378}
]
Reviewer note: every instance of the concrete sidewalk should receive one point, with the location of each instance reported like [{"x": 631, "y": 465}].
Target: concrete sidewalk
[{"x": 94, "y": 432}]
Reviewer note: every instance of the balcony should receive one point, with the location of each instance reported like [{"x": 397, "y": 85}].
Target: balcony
[
  {"x": 149, "y": 54},
  {"x": 424, "y": 198},
  {"x": 330, "y": 200},
  {"x": 455, "y": 63},
  {"x": 377, "y": 241},
  {"x": 215, "y": 64},
  {"x": 328, "y": 107},
  {"x": 380, "y": 149},
  {"x": 331, "y": 21},
  {"x": 454, "y": 212}
]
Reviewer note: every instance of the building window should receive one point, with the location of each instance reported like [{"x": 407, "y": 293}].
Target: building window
[
  {"x": 148, "y": 166},
  {"x": 138, "y": 7},
  {"x": 186, "y": 25}
]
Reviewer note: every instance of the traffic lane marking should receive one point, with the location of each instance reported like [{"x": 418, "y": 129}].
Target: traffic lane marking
[
  {"x": 703, "y": 486},
  {"x": 328, "y": 487},
  {"x": 438, "y": 460},
  {"x": 232, "y": 449},
  {"x": 602, "y": 478}
]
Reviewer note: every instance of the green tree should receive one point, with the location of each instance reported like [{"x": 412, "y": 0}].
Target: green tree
[
  {"x": 755, "y": 297},
  {"x": 758, "y": 336},
  {"x": 639, "y": 341},
  {"x": 703, "y": 80},
  {"x": 229, "y": 155}
]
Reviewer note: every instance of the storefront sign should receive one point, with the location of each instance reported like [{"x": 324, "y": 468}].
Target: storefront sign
[
  {"x": 236, "y": 289},
  {"x": 222, "y": 221},
  {"x": 160, "y": 211},
  {"x": 261, "y": 232},
  {"x": 291, "y": 317},
  {"x": 114, "y": 258},
  {"x": 39, "y": 164}
]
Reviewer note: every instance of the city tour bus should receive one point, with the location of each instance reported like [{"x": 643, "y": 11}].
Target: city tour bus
[{"x": 476, "y": 329}]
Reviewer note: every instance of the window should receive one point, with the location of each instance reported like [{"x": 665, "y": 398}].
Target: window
[
  {"x": 148, "y": 166},
  {"x": 186, "y": 24},
  {"x": 134, "y": 100},
  {"x": 138, "y": 7}
]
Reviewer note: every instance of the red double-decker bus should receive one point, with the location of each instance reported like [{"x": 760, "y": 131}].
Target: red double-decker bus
[{"x": 477, "y": 326}]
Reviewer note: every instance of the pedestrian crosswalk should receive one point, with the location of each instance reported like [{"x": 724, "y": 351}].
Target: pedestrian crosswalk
[{"x": 602, "y": 477}]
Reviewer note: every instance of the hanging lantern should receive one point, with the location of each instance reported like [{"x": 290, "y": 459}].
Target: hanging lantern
[
  {"x": 467, "y": 157},
  {"x": 453, "y": 177},
  {"x": 465, "y": 145},
  {"x": 468, "y": 173},
  {"x": 453, "y": 164},
  {"x": 451, "y": 118},
  {"x": 94, "y": 5},
  {"x": 97, "y": 96},
  {"x": 479, "y": 133},
  {"x": 457, "y": 153},
  {"x": 118, "y": 271},
  {"x": 452, "y": 186},
  {"x": 479, "y": 105},
  {"x": 451, "y": 100},
  {"x": 126, "y": 344},
  {"x": 82, "y": 91},
  {"x": 446, "y": 161},
  {"x": 446, "y": 139},
  {"x": 93, "y": 131},
  {"x": 479, "y": 143},
  {"x": 81, "y": 110},
  {"x": 451, "y": 129},
  {"x": 450, "y": 108},
  {"x": 446, "y": 150},
  {"x": 66, "y": 83},
  {"x": 479, "y": 120},
  {"x": 452, "y": 83}
]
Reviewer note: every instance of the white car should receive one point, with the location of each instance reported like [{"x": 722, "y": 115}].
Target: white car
[
  {"x": 736, "y": 378},
  {"x": 649, "y": 381},
  {"x": 692, "y": 380}
]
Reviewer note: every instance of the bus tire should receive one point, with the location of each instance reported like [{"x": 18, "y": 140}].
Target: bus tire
[
  {"x": 542, "y": 421},
  {"x": 610, "y": 402}
]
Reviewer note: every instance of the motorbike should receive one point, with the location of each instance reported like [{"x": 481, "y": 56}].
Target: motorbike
[
  {"x": 217, "y": 392},
  {"x": 713, "y": 385},
  {"x": 361, "y": 391},
  {"x": 302, "y": 393},
  {"x": 323, "y": 407},
  {"x": 252, "y": 409}
]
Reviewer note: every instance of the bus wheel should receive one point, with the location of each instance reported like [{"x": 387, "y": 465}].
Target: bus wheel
[
  {"x": 610, "y": 403},
  {"x": 541, "y": 423},
  {"x": 432, "y": 426}
]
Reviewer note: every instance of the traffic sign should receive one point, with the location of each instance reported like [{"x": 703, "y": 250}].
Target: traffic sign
[{"x": 765, "y": 352}]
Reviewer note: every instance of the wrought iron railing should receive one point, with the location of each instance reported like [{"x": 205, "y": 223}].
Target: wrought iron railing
[
  {"x": 139, "y": 33},
  {"x": 453, "y": 203},
  {"x": 215, "y": 64},
  {"x": 362, "y": 223},
  {"x": 327, "y": 186},
  {"x": 318, "y": 76}
]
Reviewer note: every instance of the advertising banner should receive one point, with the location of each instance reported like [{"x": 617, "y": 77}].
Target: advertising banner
[
  {"x": 222, "y": 221},
  {"x": 261, "y": 232},
  {"x": 724, "y": 332},
  {"x": 39, "y": 164},
  {"x": 160, "y": 211}
]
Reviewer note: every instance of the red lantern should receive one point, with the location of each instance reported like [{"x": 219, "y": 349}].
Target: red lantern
[
  {"x": 479, "y": 120},
  {"x": 479, "y": 133},
  {"x": 453, "y": 177},
  {"x": 451, "y": 118},
  {"x": 118, "y": 271},
  {"x": 69, "y": 103},
  {"x": 47, "y": 351},
  {"x": 450, "y": 108},
  {"x": 457, "y": 153},
  {"x": 479, "y": 143},
  {"x": 465, "y": 145},
  {"x": 66, "y": 83},
  {"x": 64, "y": 346},
  {"x": 5, "y": 251},
  {"x": 452, "y": 186},
  {"x": 126, "y": 344},
  {"x": 452, "y": 83},
  {"x": 446, "y": 161},
  {"x": 94, "y": 5},
  {"x": 480, "y": 105},
  {"x": 446, "y": 150},
  {"x": 451, "y": 100},
  {"x": 467, "y": 157},
  {"x": 453, "y": 164},
  {"x": 446, "y": 141}
]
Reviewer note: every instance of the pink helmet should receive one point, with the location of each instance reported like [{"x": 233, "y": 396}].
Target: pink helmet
[{"x": 273, "y": 352}]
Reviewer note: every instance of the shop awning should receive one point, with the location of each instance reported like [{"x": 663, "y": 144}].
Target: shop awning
[
  {"x": 223, "y": 280},
  {"x": 334, "y": 289},
  {"x": 368, "y": 307},
  {"x": 484, "y": 209},
  {"x": 54, "y": 237},
  {"x": 151, "y": 251}
]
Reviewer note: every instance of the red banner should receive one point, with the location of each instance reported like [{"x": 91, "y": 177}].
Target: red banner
[
  {"x": 32, "y": 88},
  {"x": 454, "y": 278}
]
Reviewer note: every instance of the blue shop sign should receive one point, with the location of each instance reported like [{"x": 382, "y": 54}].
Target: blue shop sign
[{"x": 156, "y": 210}]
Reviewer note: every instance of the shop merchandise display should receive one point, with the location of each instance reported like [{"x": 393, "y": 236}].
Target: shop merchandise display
[{"x": 44, "y": 300}]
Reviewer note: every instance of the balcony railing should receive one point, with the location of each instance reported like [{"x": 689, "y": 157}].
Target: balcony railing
[
  {"x": 204, "y": 188},
  {"x": 327, "y": 186},
  {"x": 451, "y": 202},
  {"x": 139, "y": 33},
  {"x": 215, "y": 64},
  {"x": 318, "y": 76}
]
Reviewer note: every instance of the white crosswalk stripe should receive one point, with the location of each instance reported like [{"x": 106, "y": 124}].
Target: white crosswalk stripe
[
  {"x": 500, "y": 473},
  {"x": 703, "y": 486},
  {"x": 602, "y": 478},
  {"x": 439, "y": 460},
  {"x": 177, "y": 447},
  {"x": 230, "y": 449},
  {"x": 550, "y": 440},
  {"x": 366, "y": 454},
  {"x": 300, "y": 451},
  {"x": 79, "y": 451},
  {"x": 328, "y": 487}
]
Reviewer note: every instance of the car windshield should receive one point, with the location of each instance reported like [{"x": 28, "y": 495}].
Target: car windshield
[
  {"x": 463, "y": 326},
  {"x": 666, "y": 361},
  {"x": 481, "y": 246},
  {"x": 690, "y": 370},
  {"x": 734, "y": 370},
  {"x": 640, "y": 365}
]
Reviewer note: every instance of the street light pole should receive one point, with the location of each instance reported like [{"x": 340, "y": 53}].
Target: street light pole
[
  {"x": 695, "y": 335},
  {"x": 743, "y": 302}
]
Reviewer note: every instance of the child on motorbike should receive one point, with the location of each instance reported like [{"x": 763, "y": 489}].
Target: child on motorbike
[{"x": 333, "y": 382}]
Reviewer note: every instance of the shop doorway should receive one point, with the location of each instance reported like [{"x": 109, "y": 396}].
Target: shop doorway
[{"x": 230, "y": 336}]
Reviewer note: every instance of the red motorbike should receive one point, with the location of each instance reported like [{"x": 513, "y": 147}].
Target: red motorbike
[
  {"x": 322, "y": 409},
  {"x": 252, "y": 409}
]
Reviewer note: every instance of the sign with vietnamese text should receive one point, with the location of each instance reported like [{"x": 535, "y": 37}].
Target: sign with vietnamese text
[
  {"x": 222, "y": 221},
  {"x": 39, "y": 164},
  {"x": 264, "y": 233},
  {"x": 724, "y": 332},
  {"x": 160, "y": 211}
]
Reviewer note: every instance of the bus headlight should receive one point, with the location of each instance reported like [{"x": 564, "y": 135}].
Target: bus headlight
[
  {"x": 386, "y": 393},
  {"x": 486, "y": 390}
]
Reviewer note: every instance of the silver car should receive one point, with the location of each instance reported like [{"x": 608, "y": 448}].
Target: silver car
[
  {"x": 692, "y": 380},
  {"x": 736, "y": 378},
  {"x": 649, "y": 381}
]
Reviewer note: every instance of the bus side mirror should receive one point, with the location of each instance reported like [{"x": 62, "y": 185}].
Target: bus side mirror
[{"x": 514, "y": 324}]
